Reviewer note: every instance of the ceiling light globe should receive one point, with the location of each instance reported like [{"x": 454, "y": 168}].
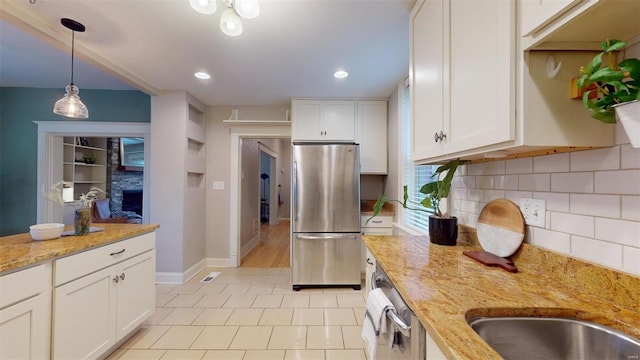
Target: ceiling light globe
[
  {"x": 71, "y": 105},
  {"x": 230, "y": 23},
  {"x": 206, "y": 7},
  {"x": 202, "y": 75},
  {"x": 247, "y": 9}
]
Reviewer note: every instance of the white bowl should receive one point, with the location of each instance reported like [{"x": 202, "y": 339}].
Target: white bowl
[{"x": 46, "y": 231}]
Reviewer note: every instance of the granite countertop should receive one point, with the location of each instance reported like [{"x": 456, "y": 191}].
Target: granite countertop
[
  {"x": 18, "y": 251},
  {"x": 366, "y": 208},
  {"x": 444, "y": 288}
]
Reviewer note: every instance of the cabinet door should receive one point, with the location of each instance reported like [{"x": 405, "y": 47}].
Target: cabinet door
[
  {"x": 481, "y": 75},
  {"x": 135, "y": 292},
  {"x": 305, "y": 120},
  {"x": 338, "y": 120},
  {"x": 538, "y": 13},
  {"x": 84, "y": 314},
  {"x": 427, "y": 81},
  {"x": 372, "y": 117},
  {"x": 370, "y": 266},
  {"x": 24, "y": 329}
]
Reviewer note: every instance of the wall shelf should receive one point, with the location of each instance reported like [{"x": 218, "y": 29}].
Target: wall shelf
[{"x": 258, "y": 122}]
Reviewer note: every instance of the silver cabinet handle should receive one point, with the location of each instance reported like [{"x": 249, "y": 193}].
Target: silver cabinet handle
[
  {"x": 122, "y": 276},
  {"x": 118, "y": 252},
  {"x": 324, "y": 237},
  {"x": 116, "y": 279},
  {"x": 369, "y": 262},
  {"x": 402, "y": 326},
  {"x": 376, "y": 221},
  {"x": 436, "y": 137},
  {"x": 295, "y": 191}
]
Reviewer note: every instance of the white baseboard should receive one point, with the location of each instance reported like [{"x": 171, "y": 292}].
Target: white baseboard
[
  {"x": 180, "y": 278},
  {"x": 249, "y": 245}
]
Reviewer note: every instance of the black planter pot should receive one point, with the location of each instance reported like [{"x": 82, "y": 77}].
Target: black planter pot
[{"x": 443, "y": 231}]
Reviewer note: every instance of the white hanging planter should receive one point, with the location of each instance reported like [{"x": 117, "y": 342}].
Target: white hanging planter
[{"x": 628, "y": 114}]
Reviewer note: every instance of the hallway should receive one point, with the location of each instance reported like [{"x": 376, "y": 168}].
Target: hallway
[{"x": 273, "y": 249}]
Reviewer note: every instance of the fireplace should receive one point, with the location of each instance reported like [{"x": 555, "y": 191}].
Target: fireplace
[{"x": 132, "y": 201}]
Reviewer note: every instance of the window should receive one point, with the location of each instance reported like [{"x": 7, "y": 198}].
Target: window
[{"x": 414, "y": 176}]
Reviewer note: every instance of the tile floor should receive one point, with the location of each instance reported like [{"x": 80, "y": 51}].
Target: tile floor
[{"x": 250, "y": 313}]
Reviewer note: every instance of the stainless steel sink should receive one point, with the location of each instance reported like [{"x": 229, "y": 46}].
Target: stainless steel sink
[{"x": 524, "y": 338}]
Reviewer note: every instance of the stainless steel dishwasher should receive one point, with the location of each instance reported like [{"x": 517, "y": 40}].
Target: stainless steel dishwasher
[{"x": 403, "y": 328}]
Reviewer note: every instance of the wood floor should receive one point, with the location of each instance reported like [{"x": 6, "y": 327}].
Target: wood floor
[{"x": 273, "y": 248}]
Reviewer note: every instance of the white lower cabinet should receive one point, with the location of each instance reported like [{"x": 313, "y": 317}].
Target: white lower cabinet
[
  {"x": 96, "y": 310},
  {"x": 380, "y": 225},
  {"x": 25, "y": 313},
  {"x": 433, "y": 351},
  {"x": 370, "y": 268}
]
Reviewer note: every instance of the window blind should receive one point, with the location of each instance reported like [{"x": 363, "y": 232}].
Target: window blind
[{"x": 414, "y": 176}]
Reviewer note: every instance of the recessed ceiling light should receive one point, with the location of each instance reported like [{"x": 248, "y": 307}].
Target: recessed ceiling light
[
  {"x": 202, "y": 75},
  {"x": 340, "y": 74}
]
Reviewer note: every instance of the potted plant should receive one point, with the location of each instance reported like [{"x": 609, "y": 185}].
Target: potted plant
[
  {"x": 613, "y": 89},
  {"x": 443, "y": 228},
  {"x": 82, "y": 218}
]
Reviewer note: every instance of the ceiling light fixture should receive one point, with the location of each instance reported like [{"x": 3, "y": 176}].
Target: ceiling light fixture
[
  {"x": 340, "y": 74},
  {"x": 230, "y": 23},
  {"x": 71, "y": 105},
  {"x": 204, "y": 6},
  {"x": 202, "y": 75}
]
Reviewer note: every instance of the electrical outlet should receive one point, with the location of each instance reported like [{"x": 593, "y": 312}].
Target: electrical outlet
[
  {"x": 534, "y": 211},
  {"x": 218, "y": 185}
]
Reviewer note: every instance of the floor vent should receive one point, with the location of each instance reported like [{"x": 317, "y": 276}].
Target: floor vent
[{"x": 209, "y": 278}]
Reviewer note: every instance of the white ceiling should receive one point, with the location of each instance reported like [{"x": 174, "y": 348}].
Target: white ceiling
[{"x": 290, "y": 50}]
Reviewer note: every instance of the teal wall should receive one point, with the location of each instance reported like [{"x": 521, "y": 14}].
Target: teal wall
[{"x": 19, "y": 108}]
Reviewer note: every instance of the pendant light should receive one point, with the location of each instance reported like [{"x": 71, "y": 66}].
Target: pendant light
[
  {"x": 247, "y": 9},
  {"x": 230, "y": 23},
  {"x": 71, "y": 105},
  {"x": 206, "y": 7}
]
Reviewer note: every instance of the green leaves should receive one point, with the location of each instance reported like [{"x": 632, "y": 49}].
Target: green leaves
[{"x": 615, "y": 84}]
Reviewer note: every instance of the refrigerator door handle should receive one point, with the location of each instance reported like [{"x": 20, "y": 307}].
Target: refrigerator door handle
[
  {"x": 324, "y": 237},
  {"x": 295, "y": 191}
]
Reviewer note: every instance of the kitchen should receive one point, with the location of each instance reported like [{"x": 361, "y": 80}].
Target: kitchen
[{"x": 563, "y": 205}]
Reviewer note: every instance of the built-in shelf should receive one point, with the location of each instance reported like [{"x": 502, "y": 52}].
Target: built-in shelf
[{"x": 258, "y": 122}]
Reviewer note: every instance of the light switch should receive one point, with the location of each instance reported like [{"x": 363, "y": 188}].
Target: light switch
[{"x": 218, "y": 185}]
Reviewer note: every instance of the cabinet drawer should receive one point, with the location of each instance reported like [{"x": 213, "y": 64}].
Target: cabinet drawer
[
  {"x": 78, "y": 265},
  {"x": 378, "y": 221},
  {"x": 23, "y": 284}
]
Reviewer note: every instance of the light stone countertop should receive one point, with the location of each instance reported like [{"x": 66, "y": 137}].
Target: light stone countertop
[
  {"x": 20, "y": 251},
  {"x": 443, "y": 287}
]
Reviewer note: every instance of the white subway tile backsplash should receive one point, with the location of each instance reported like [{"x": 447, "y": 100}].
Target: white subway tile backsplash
[
  {"x": 519, "y": 166},
  {"x": 596, "y": 205},
  {"x": 506, "y": 182},
  {"x": 596, "y": 159},
  {"x": 469, "y": 181},
  {"x": 515, "y": 196},
  {"x": 555, "y": 201},
  {"x": 468, "y": 206},
  {"x": 552, "y": 240},
  {"x": 494, "y": 167},
  {"x": 534, "y": 182},
  {"x": 618, "y": 231},
  {"x": 631, "y": 260},
  {"x": 581, "y": 182},
  {"x": 475, "y": 169},
  {"x": 479, "y": 206},
  {"x": 572, "y": 224},
  {"x": 493, "y": 194},
  {"x": 621, "y": 135},
  {"x": 551, "y": 163},
  {"x": 485, "y": 182},
  {"x": 629, "y": 157},
  {"x": 601, "y": 252},
  {"x": 462, "y": 170},
  {"x": 631, "y": 208},
  {"x": 624, "y": 182},
  {"x": 475, "y": 195}
]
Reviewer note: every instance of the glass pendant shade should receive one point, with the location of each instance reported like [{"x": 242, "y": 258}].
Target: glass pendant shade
[
  {"x": 204, "y": 6},
  {"x": 71, "y": 105},
  {"x": 247, "y": 9},
  {"x": 230, "y": 23}
]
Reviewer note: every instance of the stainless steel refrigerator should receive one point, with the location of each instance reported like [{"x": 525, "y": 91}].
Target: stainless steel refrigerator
[{"x": 325, "y": 239}]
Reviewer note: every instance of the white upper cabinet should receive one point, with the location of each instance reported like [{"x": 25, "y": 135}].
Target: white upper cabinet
[
  {"x": 476, "y": 92},
  {"x": 323, "y": 120},
  {"x": 539, "y": 13},
  {"x": 372, "y": 136},
  {"x": 462, "y": 75}
]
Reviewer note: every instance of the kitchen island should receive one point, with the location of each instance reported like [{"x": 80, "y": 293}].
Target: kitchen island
[
  {"x": 444, "y": 288},
  {"x": 76, "y": 296}
]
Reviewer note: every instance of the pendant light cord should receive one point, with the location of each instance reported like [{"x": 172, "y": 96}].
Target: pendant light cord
[{"x": 73, "y": 42}]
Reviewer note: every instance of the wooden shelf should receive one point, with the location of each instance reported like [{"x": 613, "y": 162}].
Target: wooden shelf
[{"x": 258, "y": 122}]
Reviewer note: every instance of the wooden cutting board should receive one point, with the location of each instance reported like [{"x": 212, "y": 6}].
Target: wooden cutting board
[{"x": 501, "y": 227}]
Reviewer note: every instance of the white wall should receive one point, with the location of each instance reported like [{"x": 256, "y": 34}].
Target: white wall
[{"x": 592, "y": 200}]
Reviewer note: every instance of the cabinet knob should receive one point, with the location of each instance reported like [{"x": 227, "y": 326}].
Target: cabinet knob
[
  {"x": 436, "y": 137},
  {"x": 369, "y": 262},
  {"x": 116, "y": 279},
  {"x": 442, "y": 136},
  {"x": 122, "y": 276}
]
